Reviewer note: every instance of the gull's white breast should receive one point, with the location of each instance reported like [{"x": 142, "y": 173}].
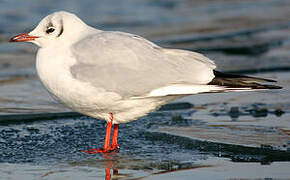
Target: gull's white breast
[{"x": 53, "y": 67}]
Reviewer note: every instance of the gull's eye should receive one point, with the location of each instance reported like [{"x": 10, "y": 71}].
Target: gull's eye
[{"x": 50, "y": 30}]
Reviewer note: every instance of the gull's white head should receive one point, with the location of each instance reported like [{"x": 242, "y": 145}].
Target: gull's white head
[{"x": 59, "y": 27}]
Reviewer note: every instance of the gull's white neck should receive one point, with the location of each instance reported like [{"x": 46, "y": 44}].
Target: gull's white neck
[{"x": 52, "y": 65}]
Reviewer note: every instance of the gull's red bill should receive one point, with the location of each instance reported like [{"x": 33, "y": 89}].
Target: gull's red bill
[{"x": 22, "y": 38}]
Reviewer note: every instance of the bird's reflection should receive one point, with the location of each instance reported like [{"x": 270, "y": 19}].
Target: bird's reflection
[{"x": 110, "y": 165}]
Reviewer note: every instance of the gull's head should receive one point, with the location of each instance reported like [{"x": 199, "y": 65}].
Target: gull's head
[{"x": 56, "y": 28}]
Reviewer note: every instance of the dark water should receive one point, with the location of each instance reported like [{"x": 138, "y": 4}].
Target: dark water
[
  {"x": 61, "y": 140},
  {"x": 206, "y": 136},
  {"x": 51, "y": 143}
]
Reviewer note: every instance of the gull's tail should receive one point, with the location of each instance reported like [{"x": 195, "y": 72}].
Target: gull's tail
[
  {"x": 233, "y": 82},
  {"x": 222, "y": 82}
]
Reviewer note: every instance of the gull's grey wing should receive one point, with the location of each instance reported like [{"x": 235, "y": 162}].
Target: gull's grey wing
[{"x": 132, "y": 66}]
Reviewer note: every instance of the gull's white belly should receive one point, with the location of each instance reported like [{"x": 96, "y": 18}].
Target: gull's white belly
[{"x": 83, "y": 97}]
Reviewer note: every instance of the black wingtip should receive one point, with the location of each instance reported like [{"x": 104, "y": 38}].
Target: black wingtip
[
  {"x": 233, "y": 76},
  {"x": 241, "y": 81}
]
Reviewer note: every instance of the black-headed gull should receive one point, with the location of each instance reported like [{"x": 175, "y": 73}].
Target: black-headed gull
[{"x": 118, "y": 76}]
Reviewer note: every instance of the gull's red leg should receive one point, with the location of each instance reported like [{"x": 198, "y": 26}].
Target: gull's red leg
[
  {"x": 107, "y": 147},
  {"x": 115, "y": 137},
  {"x": 108, "y": 133}
]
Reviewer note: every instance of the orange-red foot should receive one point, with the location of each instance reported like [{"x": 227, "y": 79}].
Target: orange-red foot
[
  {"x": 92, "y": 151},
  {"x": 108, "y": 150},
  {"x": 114, "y": 147}
]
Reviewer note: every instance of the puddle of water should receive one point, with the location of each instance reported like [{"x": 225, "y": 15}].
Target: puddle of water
[
  {"x": 212, "y": 168},
  {"x": 223, "y": 169}
]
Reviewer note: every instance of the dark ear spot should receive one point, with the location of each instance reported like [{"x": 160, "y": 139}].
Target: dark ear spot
[{"x": 61, "y": 31}]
